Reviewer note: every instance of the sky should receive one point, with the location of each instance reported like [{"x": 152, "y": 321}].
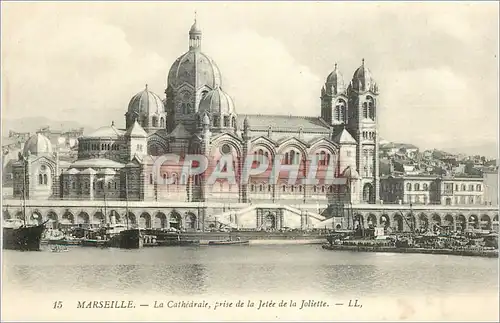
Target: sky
[{"x": 436, "y": 64}]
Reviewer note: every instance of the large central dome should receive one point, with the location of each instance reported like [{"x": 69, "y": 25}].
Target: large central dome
[{"x": 194, "y": 67}]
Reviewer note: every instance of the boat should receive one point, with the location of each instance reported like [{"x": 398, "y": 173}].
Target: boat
[
  {"x": 64, "y": 242},
  {"x": 168, "y": 243},
  {"x": 19, "y": 235},
  {"x": 94, "y": 243},
  {"x": 22, "y": 237},
  {"x": 227, "y": 242},
  {"x": 58, "y": 248},
  {"x": 127, "y": 239}
]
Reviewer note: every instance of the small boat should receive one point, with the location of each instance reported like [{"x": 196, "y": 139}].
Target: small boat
[
  {"x": 228, "y": 242},
  {"x": 63, "y": 242},
  {"x": 58, "y": 248},
  {"x": 169, "y": 243},
  {"x": 94, "y": 243}
]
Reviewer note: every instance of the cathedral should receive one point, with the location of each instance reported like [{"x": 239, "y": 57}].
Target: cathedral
[{"x": 196, "y": 116}]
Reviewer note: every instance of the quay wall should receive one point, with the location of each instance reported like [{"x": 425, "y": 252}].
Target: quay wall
[{"x": 205, "y": 215}]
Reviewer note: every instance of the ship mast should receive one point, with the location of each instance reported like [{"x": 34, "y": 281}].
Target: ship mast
[
  {"x": 410, "y": 222},
  {"x": 24, "y": 191},
  {"x": 126, "y": 199}
]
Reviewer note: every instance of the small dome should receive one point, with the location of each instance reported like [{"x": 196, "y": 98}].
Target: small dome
[
  {"x": 362, "y": 79},
  {"x": 37, "y": 144},
  {"x": 105, "y": 132},
  {"x": 217, "y": 102},
  {"x": 335, "y": 82},
  {"x": 194, "y": 28},
  {"x": 145, "y": 103},
  {"x": 351, "y": 173}
]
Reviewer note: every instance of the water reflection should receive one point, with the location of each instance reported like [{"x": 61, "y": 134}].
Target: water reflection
[{"x": 247, "y": 270}]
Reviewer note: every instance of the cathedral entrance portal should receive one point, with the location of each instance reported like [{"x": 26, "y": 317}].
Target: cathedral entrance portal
[{"x": 270, "y": 222}]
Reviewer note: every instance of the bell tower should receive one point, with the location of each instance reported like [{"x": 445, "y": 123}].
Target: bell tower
[
  {"x": 362, "y": 123},
  {"x": 334, "y": 99}
]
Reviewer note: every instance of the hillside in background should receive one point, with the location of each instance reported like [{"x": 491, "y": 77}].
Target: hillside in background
[{"x": 32, "y": 124}]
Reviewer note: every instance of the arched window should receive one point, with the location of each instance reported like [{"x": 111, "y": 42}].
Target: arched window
[
  {"x": 330, "y": 189},
  {"x": 283, "y": 188},
  {"x": 115, "y": 185},
  {"x": 73, "y": 185},
  {"x": 183, "y": 179},
  {"x": 189, "y": 108},
  {"x": 252, "y": 188},
  {"x": 408, "y": 186},
  {"x": 322, "y": 158},
  {"x": 165, "y": 178},
  {"x": 162, "y": 122},
  {"x": 471, "y": 187},
  {"x": 417, "y": 187},
  {"x": 174, "y": 178},
  {"x": 154, "y": 121},
  {"x": 478, "y": 187},
  {"x": 340, "y": 111},
  {"x": 45, "y": 179},
  {"x": 426, "y": 187},
  {"x": 40, "y": 179},
  {"x": 293, "y": 157},
  {"x": 315, "y": 189},
  {"x": 226, "y": 121},
  {"x": 150, "y": 179},
  {"x": 462, "y": 188},
  {"x": 109, "y": 185},
  {"x": 365, "y": 110},
  {"x": 371, "y": 108},
  {"x": 260, "y": 156}
]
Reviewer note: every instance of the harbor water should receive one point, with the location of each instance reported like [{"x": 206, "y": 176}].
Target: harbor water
[{"x": 253, "y": 269}]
